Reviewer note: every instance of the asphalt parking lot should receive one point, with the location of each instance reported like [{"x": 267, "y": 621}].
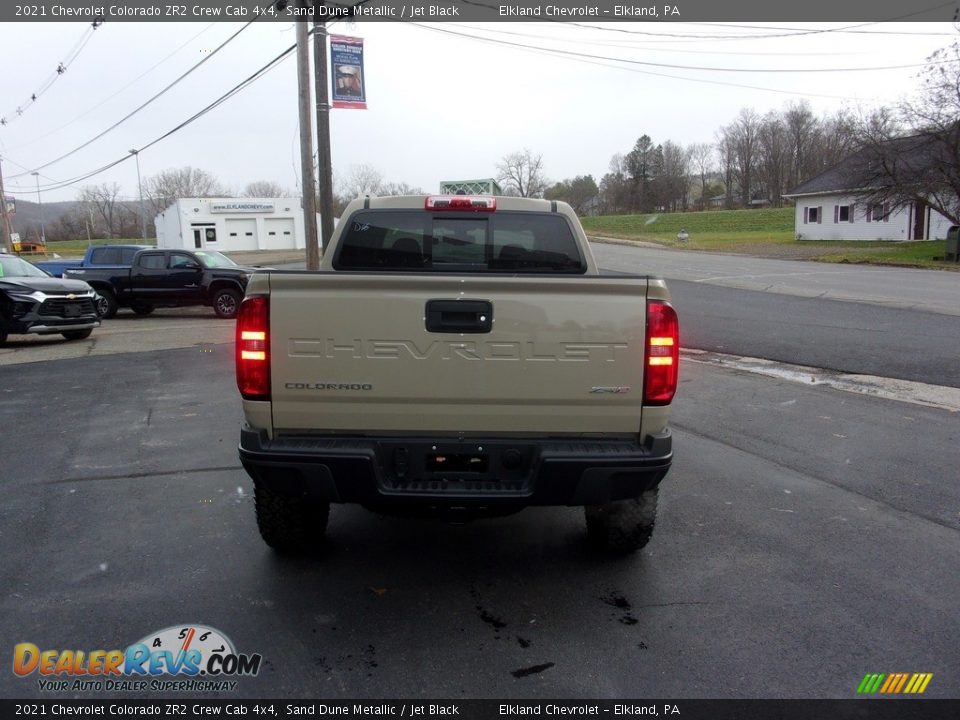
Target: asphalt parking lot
[{"x": 805, "y": 537}]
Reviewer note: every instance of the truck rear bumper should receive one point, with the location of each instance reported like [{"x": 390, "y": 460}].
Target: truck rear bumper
[{"x": 487, "y": 472}]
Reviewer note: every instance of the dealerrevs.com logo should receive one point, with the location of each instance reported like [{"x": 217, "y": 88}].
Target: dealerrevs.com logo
[{"x": 181, "y": 658}]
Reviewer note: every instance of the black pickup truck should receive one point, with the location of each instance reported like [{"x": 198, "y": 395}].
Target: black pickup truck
[{"x": 168, "y": 278}]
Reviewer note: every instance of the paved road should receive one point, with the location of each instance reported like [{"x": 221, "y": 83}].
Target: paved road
[
  {"x": 889, "y": 322},
  {"x": 851, "y": 337},
  {"x": 928, "y": 290},
  {"x": 805, "y": 537},
  {"x": 165, "y": 329}
]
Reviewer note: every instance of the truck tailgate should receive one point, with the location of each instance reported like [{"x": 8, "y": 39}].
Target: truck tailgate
[{"x": 557, "y": 355}]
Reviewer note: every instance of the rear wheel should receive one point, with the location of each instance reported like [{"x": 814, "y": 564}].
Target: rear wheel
[
  {"x": 106, "y": 303},
  {"x": 289, "y": 524},
  {"x": 77, "y": 334},
  {"x": 622, "y": 526},
  {"x": 226, "y": 302},
  {"x": 142, "y": 309}
]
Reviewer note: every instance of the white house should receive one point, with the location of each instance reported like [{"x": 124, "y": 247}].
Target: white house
[
  {"x": 231, "y": 224},
  {"x": 828, "y": 210}
]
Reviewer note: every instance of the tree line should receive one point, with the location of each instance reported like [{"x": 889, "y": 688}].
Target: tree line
[
  {"x": 101, "y": 210},
  {"x": 907, "y": 153},
  {"x": 752, "y": 158},
  {"x": 904, "y": 155}
]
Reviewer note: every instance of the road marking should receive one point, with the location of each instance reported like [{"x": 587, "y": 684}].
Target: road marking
[{"x": 918, "y": 393}]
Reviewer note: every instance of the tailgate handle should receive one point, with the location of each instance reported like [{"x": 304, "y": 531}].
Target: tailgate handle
[{"x": 459, "y": 316}]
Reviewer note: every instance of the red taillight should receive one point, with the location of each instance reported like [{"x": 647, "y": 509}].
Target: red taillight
[
  {"x": 662, "y": 354},
  {"x": 253, "y": 348},
  {"x": 474, "y": 203}
]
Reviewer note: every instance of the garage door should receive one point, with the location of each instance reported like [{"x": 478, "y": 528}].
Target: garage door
[
  {"x": 241, "y": 234},
  {"x": 279, "y": 233}
]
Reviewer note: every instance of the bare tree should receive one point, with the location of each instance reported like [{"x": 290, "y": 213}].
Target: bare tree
[
  {"x": 701, "y": 160},
  {"x": 362, "y": 180},
  {"x": 170, "y": 185},
  {"x": 614, "y": 188},
  {"x": 675, "y": 178},
  {"x": 745, "y": 132},
  {"x": 522, "y": 174},
  {"x": 774, "y": 157},
  {"x": 400, "y": 188},
  {"x": 836, "y": 139},
  {"x": 101, "y": 203},
  {"x": 922, "y": 167},
  {"x": 265, "y": 189},
  {"x": 726, "y": 150},
  {"x": 72, "y": 225},
  {"x": 802, "y": 129},
  {"x": 581, "y": 193}
]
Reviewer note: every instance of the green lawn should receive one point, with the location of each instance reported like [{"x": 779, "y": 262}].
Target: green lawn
[
  {"x": 766, "y": 233},
  {"x": 712, "y": 221},
  {"x": 71, "y": 248}
]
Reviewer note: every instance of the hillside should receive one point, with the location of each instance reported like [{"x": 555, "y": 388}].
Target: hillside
[{"x": 774, "y": 221}]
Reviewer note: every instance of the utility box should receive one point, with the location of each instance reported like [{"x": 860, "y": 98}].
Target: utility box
[{"x": 953, "y": 244}]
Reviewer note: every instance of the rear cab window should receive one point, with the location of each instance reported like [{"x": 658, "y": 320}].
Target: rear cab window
[
  {"x": 421, "y": 241},
  {"x": 113, "y": 255}
]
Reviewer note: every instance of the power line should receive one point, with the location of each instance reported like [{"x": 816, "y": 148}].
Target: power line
[
  {"x": 99, "y": 104},
  {"x": 196, "y": 116},
  {"x": 147, "y": 103},
  {"x": 272, "y": 64},
  {"x": 21, "y": 189},
  {"x": 672, "y": 66},
  {"x": 635, "y": 45},
  {"x": 790, "y": 32},
  {"x": 562, "y": 54},
  {"x": 55, "y": 75}
]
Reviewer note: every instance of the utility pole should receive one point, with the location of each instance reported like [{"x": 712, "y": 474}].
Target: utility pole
[
  {"x": 306, "y": 142},
  {"x": 324, "y": 160},
  {"x": 143, "y": 217},
  {"x": 43, "y": 235},
  {"x": 5, "y": 231}
]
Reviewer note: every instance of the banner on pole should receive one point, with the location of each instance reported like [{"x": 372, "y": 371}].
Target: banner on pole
[{"x": 346, "y": 58}]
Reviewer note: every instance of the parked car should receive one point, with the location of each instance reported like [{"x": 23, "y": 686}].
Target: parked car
[
  {"x": 32, "y": 302},
  {"x": 96, "y": 256},
  {"x": 168, "y": 278}
]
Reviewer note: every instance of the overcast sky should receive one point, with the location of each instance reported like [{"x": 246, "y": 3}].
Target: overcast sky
[{"x": 441, "y": 106}]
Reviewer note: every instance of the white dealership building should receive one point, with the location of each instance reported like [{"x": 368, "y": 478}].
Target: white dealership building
[{"x": 232, "y": 224}]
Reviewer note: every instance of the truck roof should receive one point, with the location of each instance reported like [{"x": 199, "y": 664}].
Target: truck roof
[{"x": 504, "y": 202}]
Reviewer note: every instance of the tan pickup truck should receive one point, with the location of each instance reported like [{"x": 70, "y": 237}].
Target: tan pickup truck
[{"x": 456, "y": 356}]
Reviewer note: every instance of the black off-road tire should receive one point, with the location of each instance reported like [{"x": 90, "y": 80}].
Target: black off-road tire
[
  {"x": 142, "y": 309},
  {"x": 106, "y": 304},
  {"x": 622, "y": 526},
  {"x": 226, "y": 303},
  {"x": 289, "y": 524},
  {"x": 77, "y": 334}
]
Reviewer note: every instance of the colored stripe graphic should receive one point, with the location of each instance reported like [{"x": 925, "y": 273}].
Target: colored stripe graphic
[
  {"x": 870, "y": 683},
  {"x": 903, "y": 680},
  {"x": 894, "y": 683}
]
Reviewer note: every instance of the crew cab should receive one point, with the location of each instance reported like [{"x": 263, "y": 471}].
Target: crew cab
[
  {"x": 95, "y": 256},
  {"x": 457, "y": 356},
  {"x": 34, "y": 303},
  {"x": 168, "y": 278}
]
